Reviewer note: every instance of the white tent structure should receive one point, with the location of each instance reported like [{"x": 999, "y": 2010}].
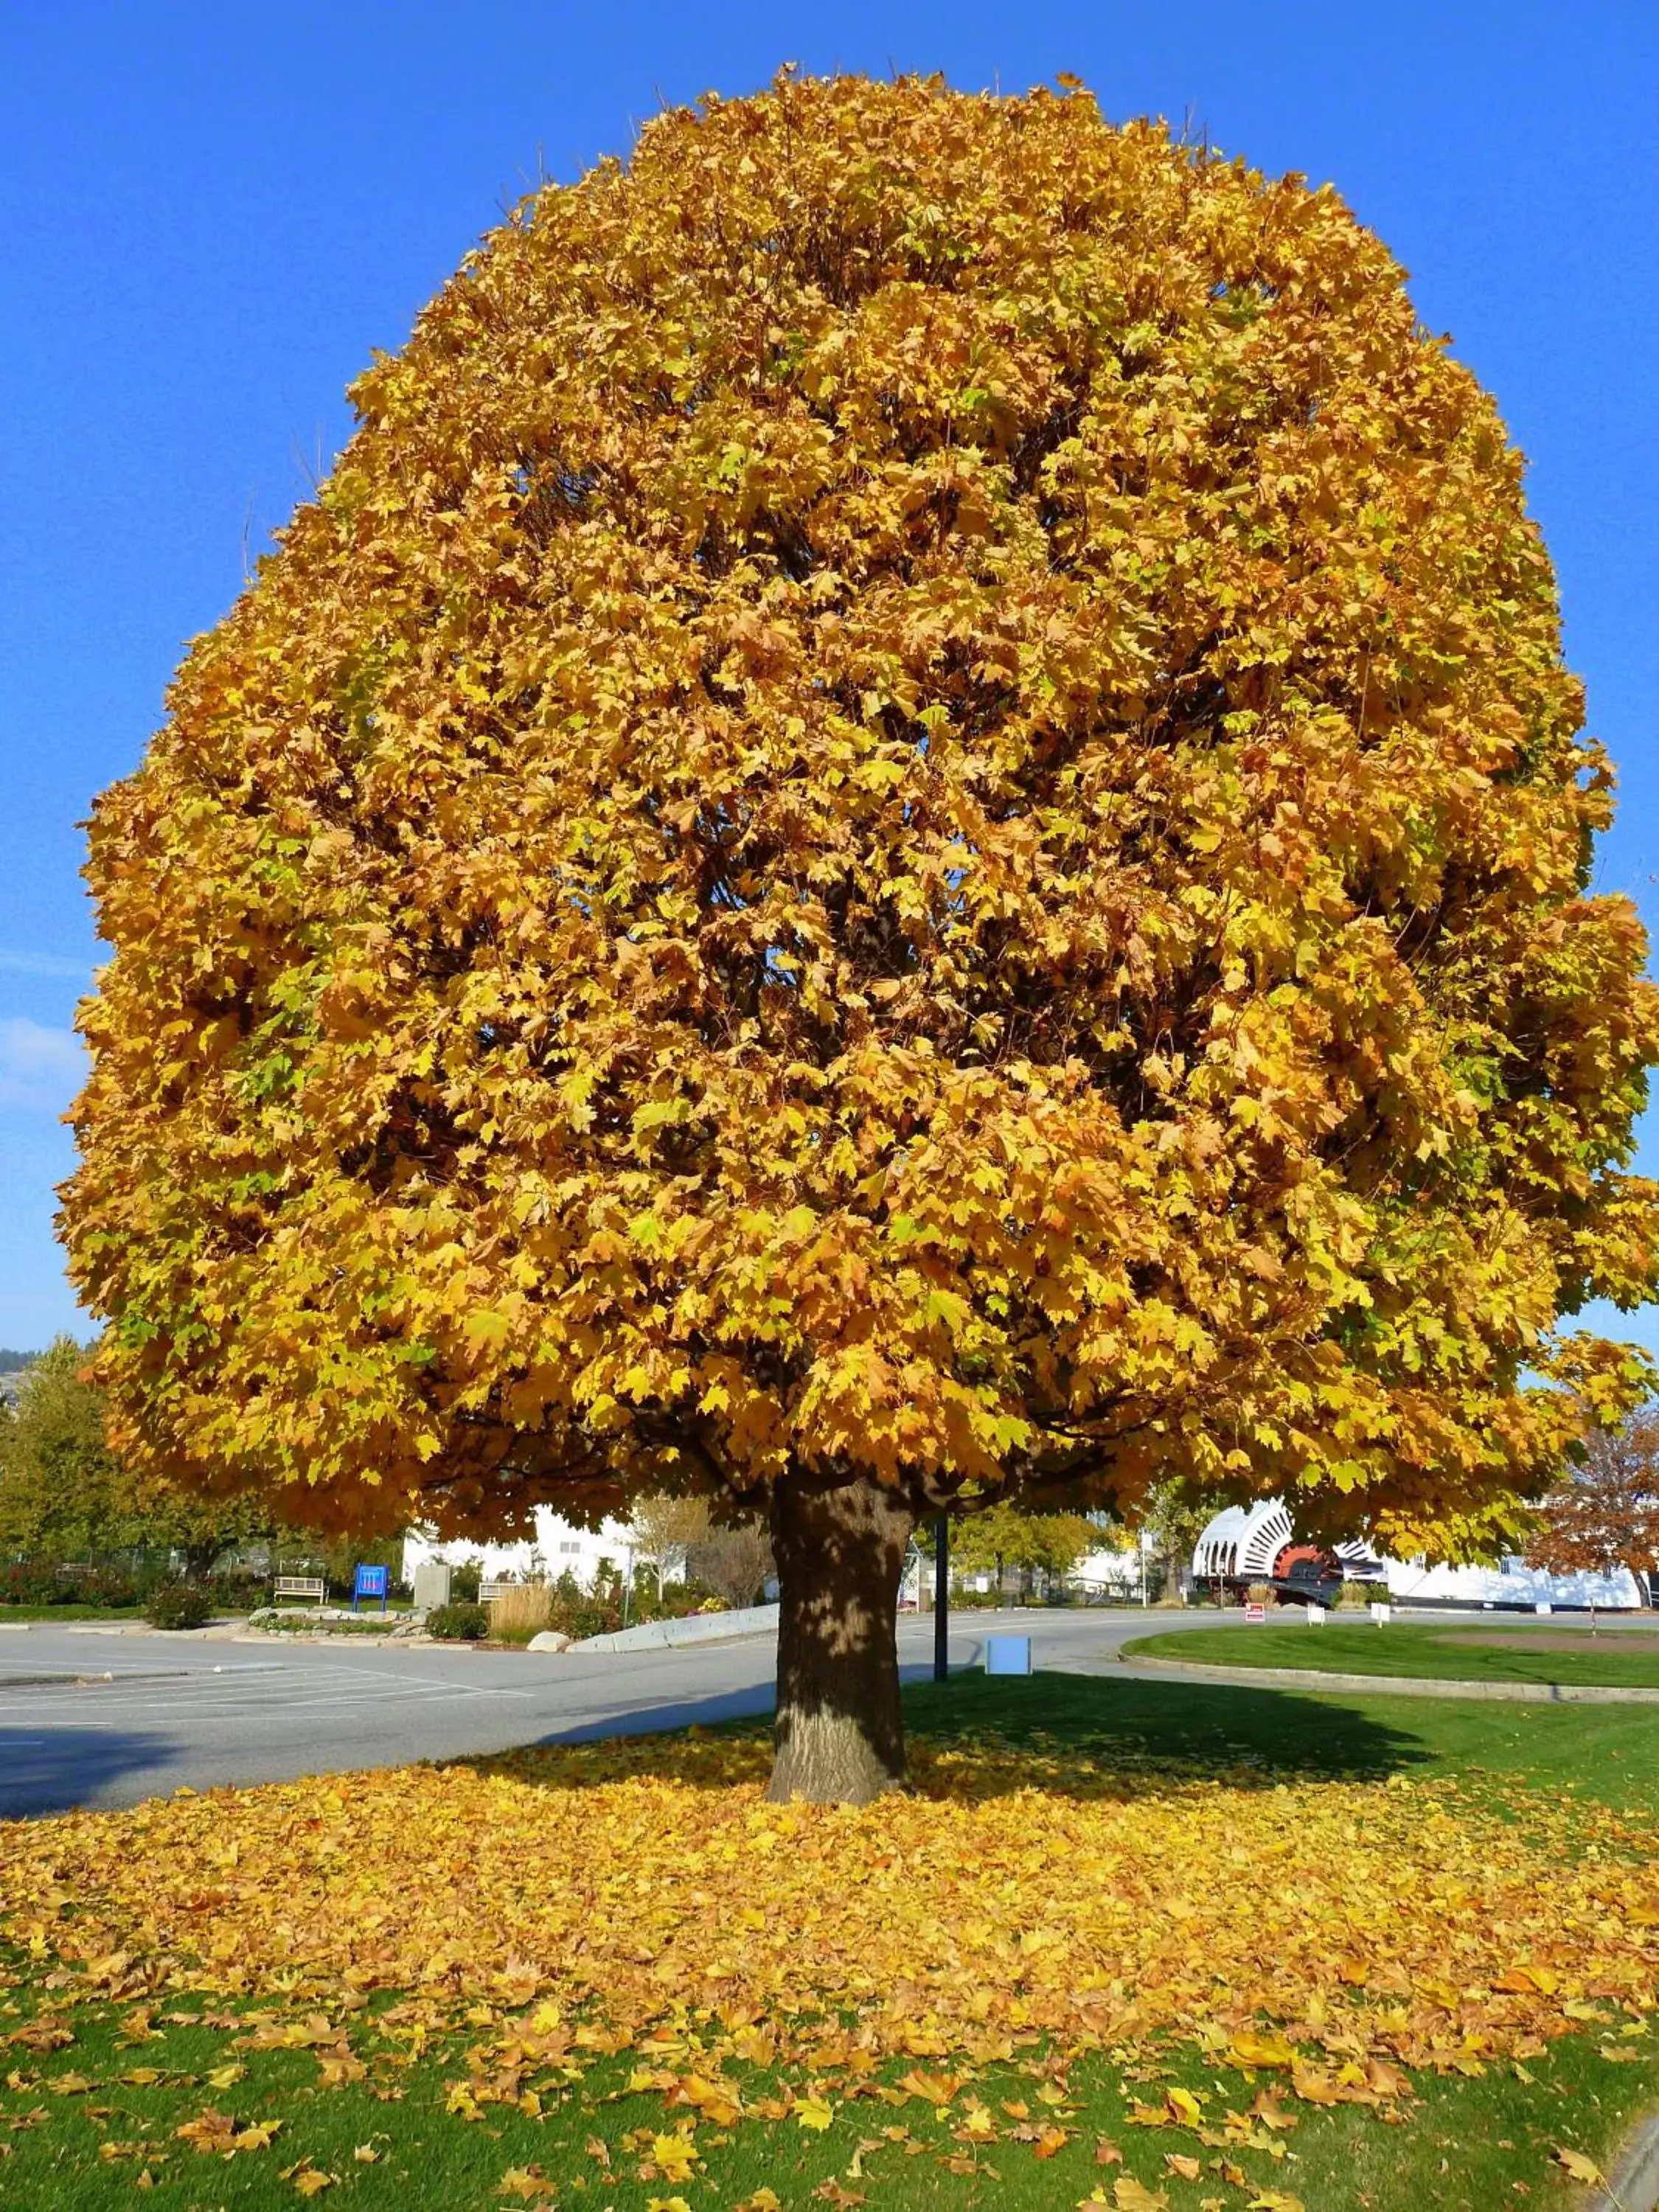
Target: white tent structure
[{"x": 1247, "y": 1543}]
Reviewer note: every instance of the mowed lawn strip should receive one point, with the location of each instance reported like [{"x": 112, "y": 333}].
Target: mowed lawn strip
[
  {"x": 1416, "y": 1651},
  {"x": 81, "y": 2122},
  {"x": 16, "y": 1616}
]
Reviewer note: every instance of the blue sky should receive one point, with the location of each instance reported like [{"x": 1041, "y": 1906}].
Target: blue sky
[{"x": 213, "y": 214}]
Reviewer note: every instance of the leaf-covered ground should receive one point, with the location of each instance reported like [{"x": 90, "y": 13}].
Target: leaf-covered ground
[{"x": 1220, "y": 1954}]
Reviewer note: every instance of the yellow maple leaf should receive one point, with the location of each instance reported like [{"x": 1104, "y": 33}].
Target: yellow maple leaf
[
  {"x": 259, "y": 2134},
  {"x": 1251, "y": 2049},
  {"x": 1580, "y": 2165},
  {"x": 675, "y": 2156},
  {"x": 528, "y": 2182}
]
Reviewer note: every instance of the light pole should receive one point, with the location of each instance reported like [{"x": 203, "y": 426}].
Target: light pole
[{"x": 941, "y": 1596}]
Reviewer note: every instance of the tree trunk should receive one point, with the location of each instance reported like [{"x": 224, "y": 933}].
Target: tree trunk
[{"x": 839, "y": 1739}]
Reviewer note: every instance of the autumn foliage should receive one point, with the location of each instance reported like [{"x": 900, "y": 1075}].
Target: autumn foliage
[
  {"x": 1604, "y": 1514},
  {"x": 907, "y": 823}
]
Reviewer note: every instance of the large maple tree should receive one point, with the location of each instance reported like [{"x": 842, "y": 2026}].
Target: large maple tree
[{"x": 906, "y": 827}]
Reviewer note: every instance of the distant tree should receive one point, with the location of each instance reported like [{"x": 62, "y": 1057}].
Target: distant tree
[
  {"x": 1606, "y": 1515},
  {"x": 65, "y": 1494},
  {"x": 1176, "y": 1515},
  {"x": 12, "y": 1362},
  {"x": 733, "y": 1560},
  {"x": 196, "y": 1525},
  {"x": 1005, "y": 1536},
  {"x": 666, "y": 1529},
  {"x": 59, "y": 1481}
]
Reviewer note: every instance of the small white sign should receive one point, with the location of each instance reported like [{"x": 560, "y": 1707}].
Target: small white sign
[
  {"x": 1543, "y": 1606},
  {"x": 1315, "y": 1616},
  {"x": 1007, "y": 1655},
  {"x": 1380, "y": 1614},
  {"x": 1255, "y": 1612}
]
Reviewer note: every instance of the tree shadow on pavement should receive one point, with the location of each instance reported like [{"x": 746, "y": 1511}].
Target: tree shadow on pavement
[
  {"x": 52, "y": 1770},
  {"x": 1076, "y": 1735}
]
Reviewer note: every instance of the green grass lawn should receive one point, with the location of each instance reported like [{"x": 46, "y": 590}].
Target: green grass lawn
[
  {"x": 1417, "y": 1650},
  {"x": 81, "y": 2122},
  {"x": 21, "y": 1613},
  {"x": 1607, "y": 1754}
]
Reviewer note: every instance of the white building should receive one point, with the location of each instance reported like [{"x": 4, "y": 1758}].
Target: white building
[
  {"x": 1252, "y": 1543},
  {"x": 1123, "y": 1573},
  {"x": 558, "y": 1547},
  {"x": 1106, "y": 1573}
]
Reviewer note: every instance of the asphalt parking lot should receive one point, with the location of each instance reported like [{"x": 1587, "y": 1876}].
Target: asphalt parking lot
[{"x": 93, "y": 1717}]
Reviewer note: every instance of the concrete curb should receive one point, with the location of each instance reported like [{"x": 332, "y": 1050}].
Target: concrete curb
[
  {"x": 1633, "y": 2185},
  {"x": 1396, "y": 1686},
  {"x": 695, "y": 1628}
]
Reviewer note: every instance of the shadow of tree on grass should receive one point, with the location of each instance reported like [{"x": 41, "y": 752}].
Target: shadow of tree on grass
[{"x": 1073, "y": 1735}]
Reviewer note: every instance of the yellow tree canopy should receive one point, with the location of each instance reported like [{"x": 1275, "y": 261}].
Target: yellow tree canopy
[
  {"x": 1001, "y": 1535},
  {"x": 909, "y": 812}
]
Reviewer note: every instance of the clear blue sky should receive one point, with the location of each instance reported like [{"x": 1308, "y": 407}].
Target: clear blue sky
[{"x": 212, "y": 214}]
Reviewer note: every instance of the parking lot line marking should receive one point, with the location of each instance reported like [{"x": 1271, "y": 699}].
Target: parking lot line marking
[
  {"x": 91, "y": 1710},
  {"x": 344, "y": 1668}
]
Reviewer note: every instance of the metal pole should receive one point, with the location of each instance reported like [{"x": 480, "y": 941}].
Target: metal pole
[{"x": 941, "y": 1596}]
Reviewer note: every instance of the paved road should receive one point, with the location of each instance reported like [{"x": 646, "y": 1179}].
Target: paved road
[
  {"x": 91, "y": 1717},
  {"x": 100, "y": 1718}
]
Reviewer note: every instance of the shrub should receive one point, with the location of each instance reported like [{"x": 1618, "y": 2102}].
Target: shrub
[
  {"x": 179, "y": 1605},
  {"x": 32, "y": 1582},
  {"x": 1261, "y": 1593},
  {"x": 105, "y": 1586},
  {"x": 463, "y": 1582},
  {"x": 457, "y": 1623},
  {"x": 240, "y": 1590}
]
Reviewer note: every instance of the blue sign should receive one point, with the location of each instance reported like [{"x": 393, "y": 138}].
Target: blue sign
[{"x": 370, "y": 1581}]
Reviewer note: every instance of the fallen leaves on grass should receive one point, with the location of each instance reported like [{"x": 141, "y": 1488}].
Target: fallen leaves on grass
[
  {"x": 560, "y": 1905},
  {"x": 216, "y": 2132}
]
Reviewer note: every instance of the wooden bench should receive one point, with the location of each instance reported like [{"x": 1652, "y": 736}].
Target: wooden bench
[{"x": 311, "y": 1586}]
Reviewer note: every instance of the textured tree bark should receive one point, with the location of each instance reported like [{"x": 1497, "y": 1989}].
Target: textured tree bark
[{"x": 839, "y": 1739}]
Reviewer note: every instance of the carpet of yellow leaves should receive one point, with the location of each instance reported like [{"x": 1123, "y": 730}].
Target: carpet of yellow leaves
[{"x": 643, "y": 1897}]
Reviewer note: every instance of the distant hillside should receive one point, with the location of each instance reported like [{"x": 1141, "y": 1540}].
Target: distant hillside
[{"x": 11, "y": 1361}]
